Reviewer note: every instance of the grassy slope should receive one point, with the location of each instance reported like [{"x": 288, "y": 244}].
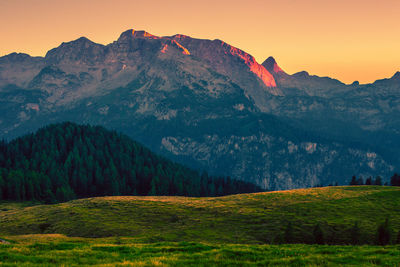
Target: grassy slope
[
  {"x": 57, "y": 250},
  {"x": 249, "y": 218}
]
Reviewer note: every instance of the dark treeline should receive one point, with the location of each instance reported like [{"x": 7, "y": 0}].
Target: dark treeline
[
  {"x": 67, "y": 161},
  {"x": 384, "y": 235},
  {"x": 394, "y": 180}
]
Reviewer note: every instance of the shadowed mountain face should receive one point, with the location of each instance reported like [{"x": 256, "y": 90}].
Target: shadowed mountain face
[
  {"x": 303, "y": 82},
  {"x": 211, "y": 106}
]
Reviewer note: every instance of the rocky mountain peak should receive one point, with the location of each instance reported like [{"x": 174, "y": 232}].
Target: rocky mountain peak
[
  {"x": 83, "y": 39},
  {"x": 396, "y": 76},
  {"x": 80, "y": 43},
  {"x": 271, "y": 65},
  {"x": 180, "y": 36},
  {"x": 259, "y": 70},
  {"x": 301, "y": 74},
  {"x": 79, "y": 50},
  {"x": 131, "y": 33},
  {"x": 16, "y": 57}
]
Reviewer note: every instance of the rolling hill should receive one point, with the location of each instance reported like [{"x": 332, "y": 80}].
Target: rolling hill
[{"x": 256, "y": 218}]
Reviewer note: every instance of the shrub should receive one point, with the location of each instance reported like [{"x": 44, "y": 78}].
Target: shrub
[{"x": 383, "y": 233}]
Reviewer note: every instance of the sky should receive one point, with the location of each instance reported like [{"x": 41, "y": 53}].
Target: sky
[{"x": 344, "y": 39}]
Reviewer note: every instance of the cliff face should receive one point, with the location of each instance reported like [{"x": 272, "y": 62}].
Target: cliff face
[
  {"x": 278, "y": 163},
  {"x": 209, "y": 105}
]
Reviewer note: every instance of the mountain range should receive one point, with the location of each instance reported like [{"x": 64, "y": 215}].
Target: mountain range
[{"x": 211, "y": 106}]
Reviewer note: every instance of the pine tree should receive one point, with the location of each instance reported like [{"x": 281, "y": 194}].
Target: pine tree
[
  {"x": 378, "y": 180},
  {"x": 1, "y": 186},
  {"x": 355, "y": 234},
  {"x": 16, "y": 188},
  {"x": 353, "y": 180},
  {"x": 64, "y": 193},
  {"x": 318, "y": 235},
  {"x": 289, "y": 233},
  {"x": 395, "y": 180},
  {"x": 204, "y": 184},
  {"x": 398, "y": 238},
  {"x": 360, "y": 181},
  {"x": 153, "y": 188}
]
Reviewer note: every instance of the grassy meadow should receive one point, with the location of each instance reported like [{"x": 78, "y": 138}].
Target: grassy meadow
[
  {"x": 59, "y": 250},
  {"x": 224, "y": 231}
]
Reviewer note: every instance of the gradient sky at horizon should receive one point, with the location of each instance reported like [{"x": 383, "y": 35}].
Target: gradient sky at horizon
[{"x": 344, "y": 39}]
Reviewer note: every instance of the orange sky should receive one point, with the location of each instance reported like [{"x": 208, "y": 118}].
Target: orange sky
[{"x": 344, "y": 39}]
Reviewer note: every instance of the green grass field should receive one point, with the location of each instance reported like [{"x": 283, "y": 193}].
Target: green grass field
[
  {"x": 58, "y": 250},
  {"x": 232, "y": 230},
  {"x": 246, "y": 219}
]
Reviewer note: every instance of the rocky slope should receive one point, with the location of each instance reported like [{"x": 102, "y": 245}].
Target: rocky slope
[{"x": 209, "y": 105}]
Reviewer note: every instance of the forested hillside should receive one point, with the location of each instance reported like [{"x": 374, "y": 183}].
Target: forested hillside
[{"x": 67, "y": 161}]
